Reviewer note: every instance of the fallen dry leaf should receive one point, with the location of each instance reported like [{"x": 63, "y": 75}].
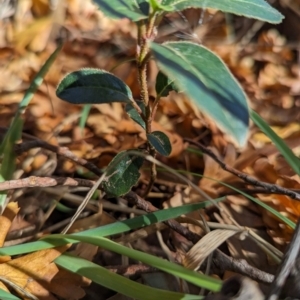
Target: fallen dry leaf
[
  {"x": 37, "y": 274},
  {"x": 211, "y": 241}
]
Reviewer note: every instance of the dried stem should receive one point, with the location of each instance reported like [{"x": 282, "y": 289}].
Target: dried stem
[{"x": 272, "y": 188}]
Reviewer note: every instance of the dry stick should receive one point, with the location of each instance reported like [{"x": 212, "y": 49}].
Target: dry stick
[
  {"x": 252, "y": 191},
  {"x": 236, "y": 265},
  {"x": 286, "y": 266},
  {"x": 51, "y": 181},
  {"x": 272, "y": 188},
  {"x": 36, "y": 181}
]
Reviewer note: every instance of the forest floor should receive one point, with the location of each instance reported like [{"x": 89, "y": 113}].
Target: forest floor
[{"x": 264, "y": 58}]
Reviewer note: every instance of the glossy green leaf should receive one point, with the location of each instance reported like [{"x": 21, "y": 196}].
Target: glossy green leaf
[
  {"x": 204, "y": 77},
  {"x": 117, "y": 9},
  {"x": 134, "y": 115},
  {"x": 164, "y": 85},
  {"x": 257, "y": 9},
  {"x": 122, "y": 174},
  {"x": 196, "y": 278},
  {"x": 116, "y": 282},
  {"x": 93, "y": 86},
  {"x": 160, "y": 142},
  {"x": 286, "y": 152},
  {"x": 114, "y": 228}
]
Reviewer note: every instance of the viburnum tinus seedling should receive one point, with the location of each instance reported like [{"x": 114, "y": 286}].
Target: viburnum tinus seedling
[{"x": 184, "y": 67}]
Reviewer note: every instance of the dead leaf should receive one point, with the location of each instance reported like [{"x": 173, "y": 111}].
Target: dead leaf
[
  {"x": 30, "y": 271},
  {"x": 211, "y": 241},
  {"x": 6, "y": 219}
]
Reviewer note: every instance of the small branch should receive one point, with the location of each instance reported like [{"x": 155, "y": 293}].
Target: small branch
[
  {"x": 35, "y": 181},
  {"x": 253, "y": 191},
  {"x": 272, "y": 188},
  {"x": 223, "y": 262}
]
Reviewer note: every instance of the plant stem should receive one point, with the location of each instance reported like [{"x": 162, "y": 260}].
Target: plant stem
[{"x": 145, "y": 34}]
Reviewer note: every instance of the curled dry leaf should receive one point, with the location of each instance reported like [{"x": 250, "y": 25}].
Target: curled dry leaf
[{"x": 211, "y": 241}]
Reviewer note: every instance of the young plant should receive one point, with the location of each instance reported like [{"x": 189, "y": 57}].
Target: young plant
[{"x": 184, "y": 67}]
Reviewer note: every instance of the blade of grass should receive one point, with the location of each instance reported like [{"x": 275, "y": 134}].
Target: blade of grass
[
  {"x": 198, "y": 279},
  {"x": 7, "y": 296},
  {"x": 111, "y": 229},
  {"x": 117, "y": 282},
  {"x": 36, "y": 82},
  {"x": 15, "y": 130},
  {"x": 287, "y": 153},
  {"x": 84, "y": 115}
]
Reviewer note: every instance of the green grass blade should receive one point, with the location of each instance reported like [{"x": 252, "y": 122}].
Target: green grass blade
[
  {"x": 111, "y": 229},
  {"x": 287, "y": 153},
  {"x": 36, "y": 82},
  {"x": 15, "y": 130},
  {"x": 196, "y": 278},
  {"x": 7, "y": 296},
  {"x": 117, "y": 282},
  {"x": 84, "y": 115}
]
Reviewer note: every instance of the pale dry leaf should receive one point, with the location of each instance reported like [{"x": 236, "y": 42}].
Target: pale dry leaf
[{"x": 210, "y": 242}]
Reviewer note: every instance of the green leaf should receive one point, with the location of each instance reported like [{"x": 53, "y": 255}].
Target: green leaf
[
  {"x": 117, "y": 9},
  {"x": 287, "y": 153},
  {"x": 116, "y": 282},
  {"x": 134, "y": 115},
  {"x": 257, "y": 9},
  {"x": 7, "y": 296},
  {"x": 93, "y": 86},
  {"x": 122, "y": 174},
  {"x": 204, "y": 77},
  {"x": 112, "y": 229},
  {"x": 157, "y": 6},
  {"x": 164, "y": 85},
  {"x": 196, "y": 278},
  {"x": 160, "y": 142},
  {"x": 84, "y": 116}
]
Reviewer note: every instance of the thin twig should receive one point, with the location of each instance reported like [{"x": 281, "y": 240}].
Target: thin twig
[
  {"x": 272, "y": 188},
  {"x": 36, "y": 181}
]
